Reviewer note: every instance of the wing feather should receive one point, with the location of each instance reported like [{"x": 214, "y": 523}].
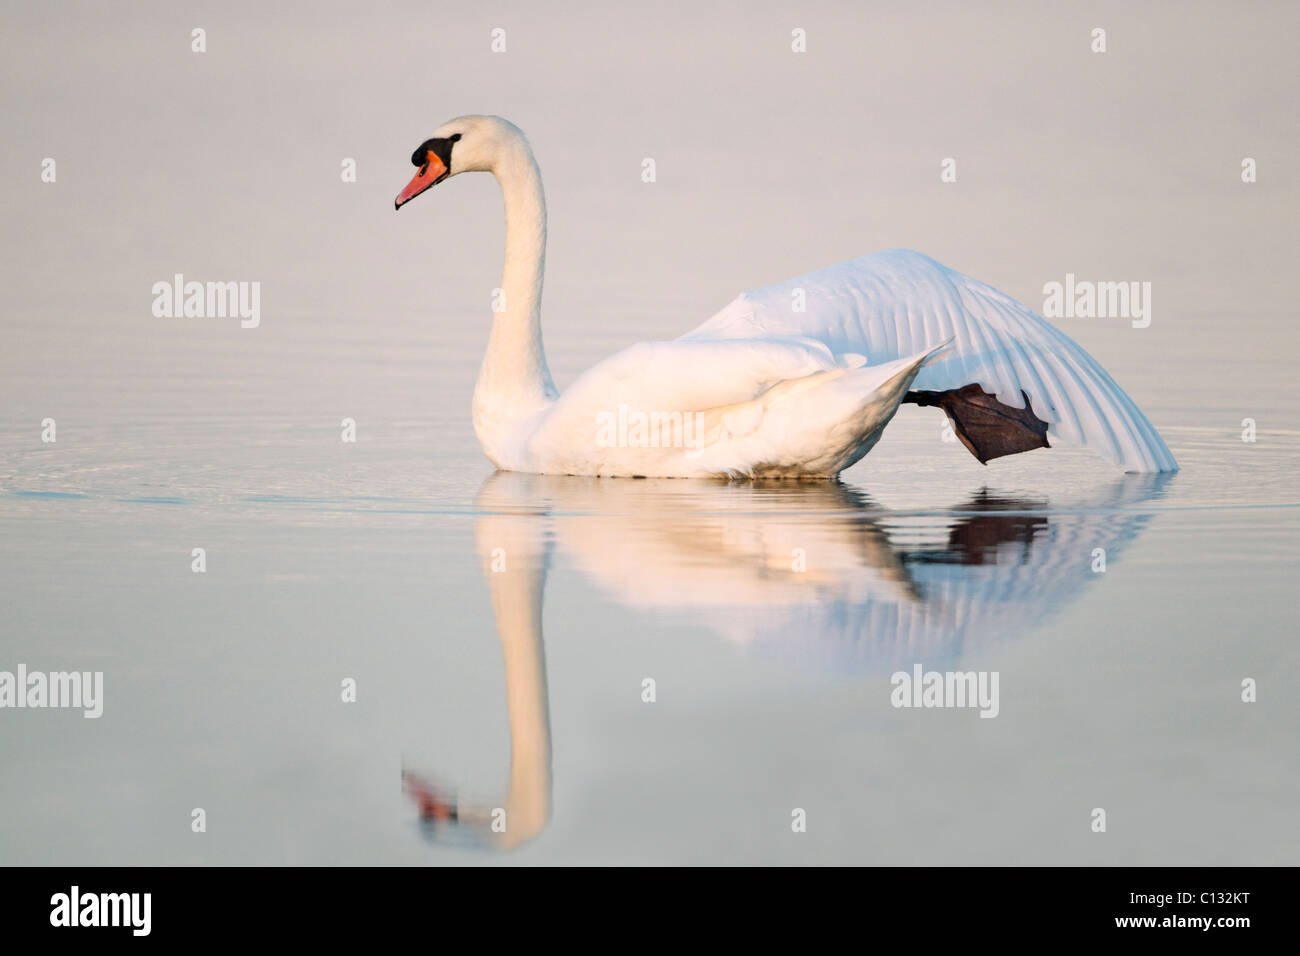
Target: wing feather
[{"x": 898, "y": 303}]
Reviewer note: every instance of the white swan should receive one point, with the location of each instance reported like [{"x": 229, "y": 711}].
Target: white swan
[{"x": 794, "y": 380}]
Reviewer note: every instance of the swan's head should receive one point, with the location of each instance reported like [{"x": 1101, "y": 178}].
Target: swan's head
[{"x": 463, "y": 145}]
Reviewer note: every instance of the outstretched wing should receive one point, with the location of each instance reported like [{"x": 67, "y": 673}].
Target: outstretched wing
[{"x": 897, "y": 303}]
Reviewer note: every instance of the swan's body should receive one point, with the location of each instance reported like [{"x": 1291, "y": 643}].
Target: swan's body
[{"x": 794, "y": 380}]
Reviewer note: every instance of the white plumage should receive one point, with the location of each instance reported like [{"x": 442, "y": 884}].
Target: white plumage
[
  {"x": 765, "y": 388},
  {"x": 896, "y": 303}
]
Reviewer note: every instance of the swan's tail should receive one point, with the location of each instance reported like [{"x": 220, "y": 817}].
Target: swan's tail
[{"x": 816, "y": 425}]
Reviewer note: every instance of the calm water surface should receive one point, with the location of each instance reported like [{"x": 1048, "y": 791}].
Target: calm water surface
[{"x": 521, "y": 689}]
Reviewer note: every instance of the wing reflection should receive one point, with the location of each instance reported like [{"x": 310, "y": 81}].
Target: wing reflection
[{"x": 812, "y": 573}]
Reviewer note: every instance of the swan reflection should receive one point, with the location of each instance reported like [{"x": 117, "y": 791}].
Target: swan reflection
[{"x": 814, "y": 574}]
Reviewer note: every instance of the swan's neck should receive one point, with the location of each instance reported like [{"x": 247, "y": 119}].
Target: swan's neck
[{"x": 514, "y": 383}]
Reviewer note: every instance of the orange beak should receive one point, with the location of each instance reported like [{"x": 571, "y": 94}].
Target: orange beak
[{"x": 430, "y": 174}]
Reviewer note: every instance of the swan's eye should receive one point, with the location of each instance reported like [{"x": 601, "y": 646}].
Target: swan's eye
[{"x": 431, "y": 149}]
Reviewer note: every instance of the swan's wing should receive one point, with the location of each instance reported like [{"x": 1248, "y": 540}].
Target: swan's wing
[
  {"x": 897, "y": 303},
  {"x": 677, "y": 385},
  {"x": 686, "y": 375},
  {"x": 724, "y": 406},
  {"x": 721, "y": 406}
]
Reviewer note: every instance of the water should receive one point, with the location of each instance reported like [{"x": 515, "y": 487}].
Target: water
[
  {"x": 522, "y": 689},
  {"x": 373, "y": 562}
]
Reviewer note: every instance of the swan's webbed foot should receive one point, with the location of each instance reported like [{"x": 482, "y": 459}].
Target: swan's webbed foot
[{"x": 988, "y": 428}]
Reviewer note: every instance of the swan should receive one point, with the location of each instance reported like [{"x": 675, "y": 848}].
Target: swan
[{"x": 798, "y": 379}]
